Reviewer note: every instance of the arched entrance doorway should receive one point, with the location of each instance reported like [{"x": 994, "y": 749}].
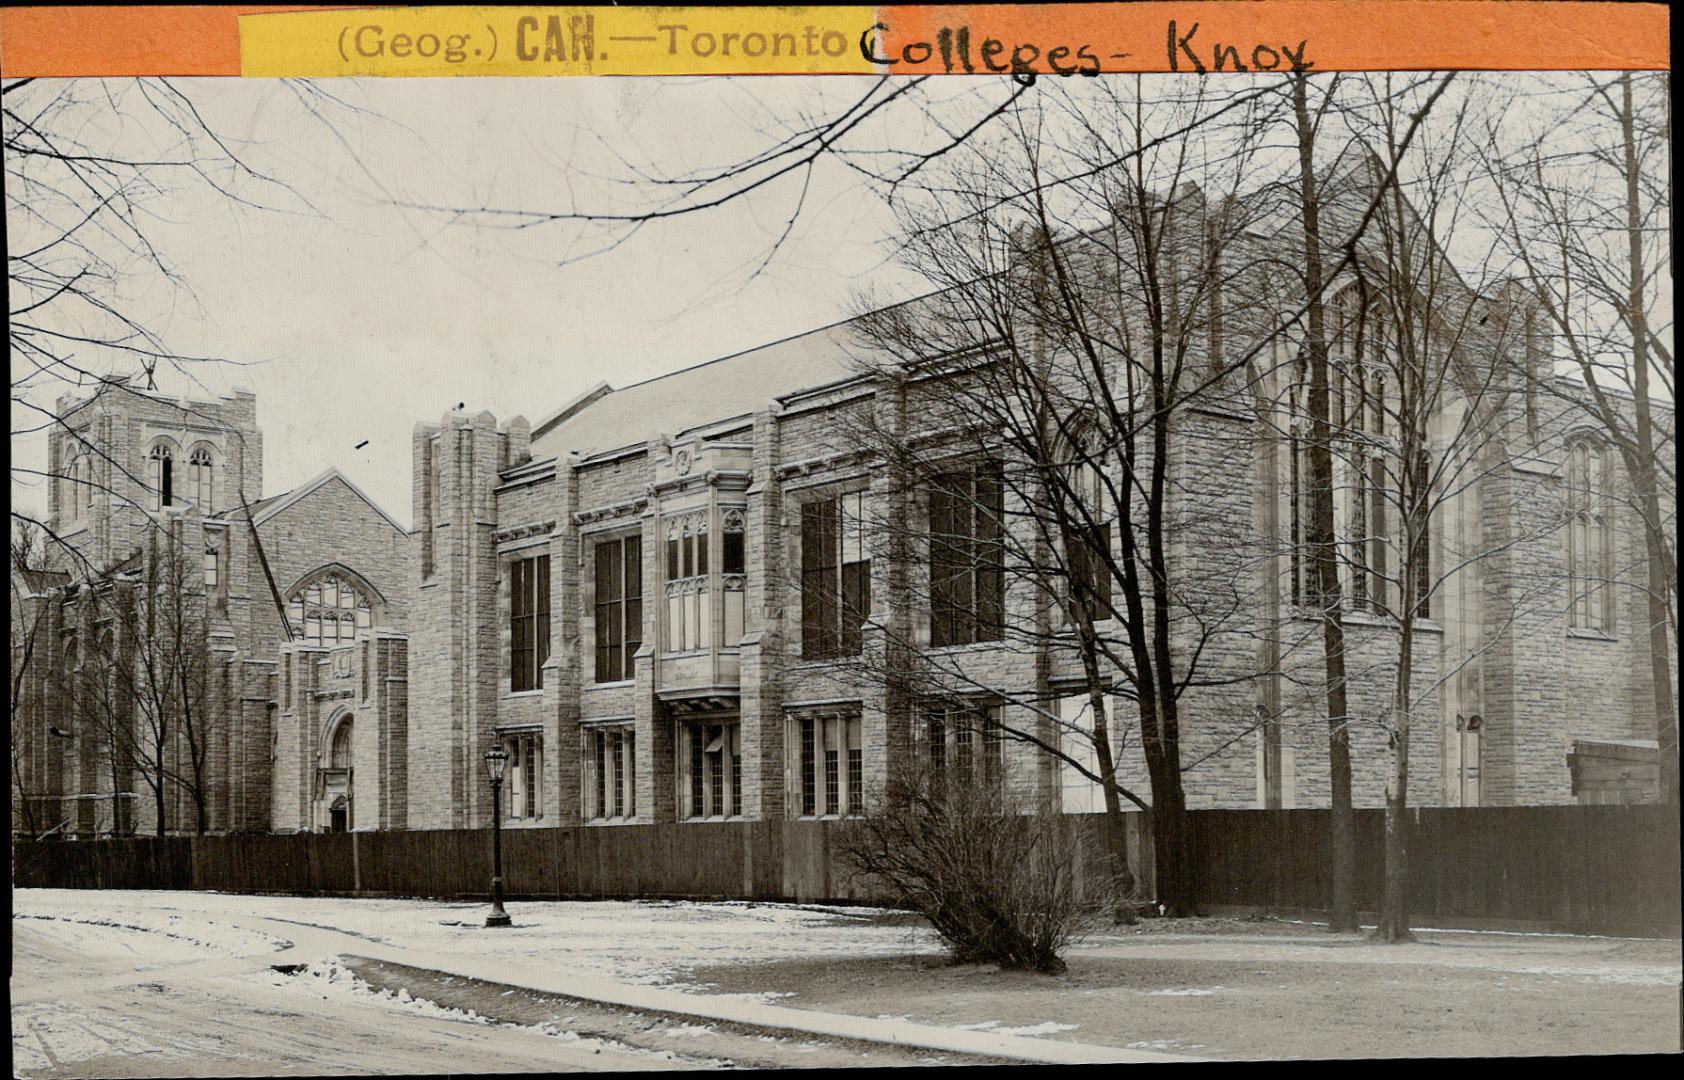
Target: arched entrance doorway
[{"x": 335, "y": 783}]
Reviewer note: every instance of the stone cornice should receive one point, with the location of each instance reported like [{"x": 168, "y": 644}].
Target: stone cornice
[
  {"x": 523, "y": 532},
  {"x": 826, "y": 463},
  {"x": 623, "y": 508}
]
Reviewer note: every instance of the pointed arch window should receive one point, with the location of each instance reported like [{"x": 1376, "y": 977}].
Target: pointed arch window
[
  {"x": 81, "y": 493},
  {"x": 1590, "y": 552},
  {"x": 161, "y": 476},
  {"x": 199, "y": 479},
  {"x": 1089, "y": 512},
  {"x": 329, "y": 611},
  {"x": 339, "y": 755}
]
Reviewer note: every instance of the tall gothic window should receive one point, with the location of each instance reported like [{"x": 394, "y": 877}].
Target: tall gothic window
[
  {"x": 967, "y": 576},
  {"x": 199, "y": 480},
  {"x": 619, "y": 606},
  {"x": 1089, "y": 511},
  {"x": 835, "y": 576},
  {"x": 1358, "y": 427},
  {"x": 529, "y": 622},
  {"x": 161, "y": 462},
  {"x": 328, "y": 611},
  {"x": 1590, "y": 554},
  {"x": 1360, "y": 409},
  {"x": 431, "y": 500}
]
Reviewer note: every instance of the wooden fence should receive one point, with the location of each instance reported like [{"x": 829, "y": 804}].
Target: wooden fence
[
  {"x": 1597, "y": 869},
  {"x": 1605, "y": 869}
]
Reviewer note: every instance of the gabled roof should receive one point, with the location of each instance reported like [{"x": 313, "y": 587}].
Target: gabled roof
[{"x": 266, "y": 509}]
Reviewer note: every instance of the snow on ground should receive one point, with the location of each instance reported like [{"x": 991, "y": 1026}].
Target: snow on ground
[
  {"x": 1048, "y": 1027},
  {"x": 1629, "y": 962},
  {"x": 328, "y": 980},
  {"x": 170, "y": 937},
  {"x": 35, "y": 1025},
  {"x": 640, "y": 942}
]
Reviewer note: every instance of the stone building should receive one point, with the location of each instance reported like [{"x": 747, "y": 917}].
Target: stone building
[
  {"x": 614, "y": 595},
  {"x": 152, "y": 497},
  {"x": 623, "y": 597}
]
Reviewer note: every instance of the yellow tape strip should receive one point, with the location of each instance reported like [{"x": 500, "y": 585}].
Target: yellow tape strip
[{"x": 555, "y": 41}]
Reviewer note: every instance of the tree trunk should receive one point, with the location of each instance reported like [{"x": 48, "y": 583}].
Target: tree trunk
[
  {"x": 1324, "y": 556},
  {"x": 1394, "y": 900},
  {"x": 1643, "y": 477},
  {"x": 1172, "y": 865}
]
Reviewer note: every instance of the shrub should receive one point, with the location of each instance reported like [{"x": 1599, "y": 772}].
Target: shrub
[{"x": 997, "y": 884}]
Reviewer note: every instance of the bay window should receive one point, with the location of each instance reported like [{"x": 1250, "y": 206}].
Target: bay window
[
  {"x": 689, "y": 601},
  {"x": 690, "y": 587}
]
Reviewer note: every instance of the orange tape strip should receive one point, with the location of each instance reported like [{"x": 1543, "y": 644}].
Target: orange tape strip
[
  {"x": 1333, "y": 35},
  {"x": 188, "y": 39},
  {"x": 1336, "y": 35}
]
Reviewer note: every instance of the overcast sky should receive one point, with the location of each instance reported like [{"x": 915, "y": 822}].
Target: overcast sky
[
  {"x": 354, "y": 314},
  {"x": 355, "y": 322}
]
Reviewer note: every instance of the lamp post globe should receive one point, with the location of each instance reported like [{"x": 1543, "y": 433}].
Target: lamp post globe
[{"x": 496, "y": 762}]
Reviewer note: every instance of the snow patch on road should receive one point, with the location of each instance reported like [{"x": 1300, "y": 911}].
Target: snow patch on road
[
  {"x": 1045, "y": 1027},
  {"x": 1189, "y": 992}
]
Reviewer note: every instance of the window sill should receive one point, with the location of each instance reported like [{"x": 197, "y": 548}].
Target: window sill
[
  {"x": 829, "y": 817},
  {"x": 524, "y": 693},
  {"x": 523, "y": 822},
  {"x": 1590, "y": 633},
  {"x": 617, "y": 684},
  {"x": 608, "y": 823},
  {"x": 711, "y": 820},
  {"x": 969, "y": 646}
]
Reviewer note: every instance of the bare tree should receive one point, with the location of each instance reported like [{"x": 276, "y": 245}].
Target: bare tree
[
  {"x": 144, "y": 685},
  {"x": 1059, "y": 430},
  {"x": 1325, "y": 595},
  {"x": 29, "y": 616},
  {"x": 92, "y": 167},
  {"x": 884, "y": 131},
  {"x": 1428, "y": 410},
  {"x": 1585, "y": 207}
]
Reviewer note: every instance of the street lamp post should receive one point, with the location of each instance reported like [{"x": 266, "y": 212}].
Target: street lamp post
[{"x": 496, "y": 760}]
